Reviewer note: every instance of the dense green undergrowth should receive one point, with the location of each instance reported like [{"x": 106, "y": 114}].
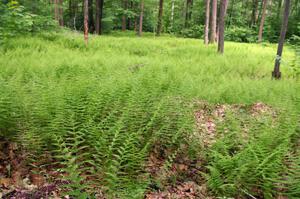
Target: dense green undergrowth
[{"x": 100, "y": 110}]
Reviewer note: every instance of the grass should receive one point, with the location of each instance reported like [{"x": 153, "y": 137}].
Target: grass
[{"x": 101, "y": 110}]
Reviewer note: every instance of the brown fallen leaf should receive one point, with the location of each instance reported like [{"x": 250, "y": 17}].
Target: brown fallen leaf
[
  {"x": 37, "y": 179},
  {"x": 17, "y": 179},
  {"x": 6, "y": 182}
]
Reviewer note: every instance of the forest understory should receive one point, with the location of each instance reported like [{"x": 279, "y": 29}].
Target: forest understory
[{"x": 147, "y": 117}]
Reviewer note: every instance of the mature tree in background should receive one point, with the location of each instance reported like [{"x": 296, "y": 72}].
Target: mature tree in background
[
  {"x": 276, "y": 73},
  {"x": 91, "y": 17},
  {"x": 262, "y": 20},
  {"x": 141, "y": 18},
  {"x": 56, "y": 10},
  {"x": 213, "y": 22},
  {"x": 86, "y": 21},
  {"x": 279, "y": 9},
  {"x": 254, "y": 15},
  {"x": 99, "y": 14},
  {"x": 61, "y": 13},
  {"x": 206, "y": 28},
  {"x": 172, "y": 13},
  {"x": 160, "y": 15},
  {"x": 125, "y": 7},
  {"x": 223, "y": 7},
  {"x": 188, "y": 12},
  {"x": 177, "y": 17}
]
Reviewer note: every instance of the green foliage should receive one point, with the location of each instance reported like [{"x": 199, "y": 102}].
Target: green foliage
[
  {"x": 250, "y": 161},
  {"x": 241, "y": 34},
  {"x": 196, "y": 31},
  {"x": 100, "y": 110},
  {"x": 16, "y": 20}
]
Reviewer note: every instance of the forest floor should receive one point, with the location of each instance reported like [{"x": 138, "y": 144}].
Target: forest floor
[{"x": 149, "y": 117}]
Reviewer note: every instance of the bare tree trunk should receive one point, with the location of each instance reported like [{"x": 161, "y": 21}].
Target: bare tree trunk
[
  {"x": 223, "y": 8},
  {"x": 124, "y": 16},
  {"x": 213, "y": 22},
  {"x": 61, "y": 13},
  {"x": 56, "y": 12},
  {"x": 99, "y": 13},
  {"x": 207, "y": 14},
  {"x": 86, "y": 21},
  {"x": 141, "y": 19},
  {"x": 172, "y": 12},
  {"x": 262, "y": 21},
  {"x": 279, "y": 9},
  {"x": 160, "y": 15},
  {"x": 276, "y": 73},
  {"x": 254, "y": 13},
  {"x": 91, "y": 17}
]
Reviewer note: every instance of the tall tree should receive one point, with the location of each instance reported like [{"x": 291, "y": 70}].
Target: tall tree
[
  {"x": 279, "y": 9},
  {"x": 254, "y": 14},
  {"x": 213, "y": 22},
  {"x": 262, "y": 20},
  {"x": 91, "y": 16},
  {"x": 276, "y": 73},
  {"x": 188, "y": 12},
  {"x": 86, "y": 21},
  {"x": 56, "y": 11},
  {"x": 223, "y": 7},
  {"x": 61, "y": 13},
  {"x": 125, "y": 7},
  {"x": 160, "y": 15},
  {"x": 141, "y": 18},
  {"x": 206, "y": 29},
  {"x": 99, "y": 14},
  {"x": 172, "y": 12}
]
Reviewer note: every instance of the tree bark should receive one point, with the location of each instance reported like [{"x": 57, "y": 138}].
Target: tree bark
[
  {"x": 86, "y": 21},
  {"x": 223, "y": 8},
  {"x": 91, "y": 16},
  {"x": 172, "y": 12},
  {"x": 254, "y": 14},
  {"x": 56, "y": 11},
  {"x": 99, "y": 13},
  {"x": 160, "y": 15},
  {"x": 276, "y": 73},
  {"x": 262, "y": 21},
  {"x": 125, "y": 6},
  {"x": 188, "y": 12},
  {"x": 213, "y": 22},
  {"x": 206, "y": 29},
  {"x": 61, "y": 13},
  {"x": 141, "y": 19},
  {"x": 279, "y": 9}
]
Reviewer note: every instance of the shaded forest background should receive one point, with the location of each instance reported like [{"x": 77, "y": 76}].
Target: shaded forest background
[{"x": 184, "y": 18}]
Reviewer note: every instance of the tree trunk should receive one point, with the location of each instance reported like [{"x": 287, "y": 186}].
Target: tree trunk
[
  {"x": 141, "y": 19},
  {"x": 223, "y": 7},
  {"x": 160, "y": 15},
  {"x": 124, "y": 16},
  {"x": 71, "y": 12},
  {"x": 61, "y": 13},
  {"x": 262, "y": 21},
  {"x": 276, "y": 73},
  {"x": 254, "y": 14},
  {"x": 56, "y": 11},
  {"x": 231, "y": 13},
  {"x": 207, "y": 14},
  {"x": 91, "y": 16},
  {"x": 213, "y": 22},
  {"x": 86, "y": 21},
  {"x": 99, "y": 13},
  {"x": 279, "y": 9},
  {"x": 188, "y": 12},
  {"x": 172, "y": 12}
]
